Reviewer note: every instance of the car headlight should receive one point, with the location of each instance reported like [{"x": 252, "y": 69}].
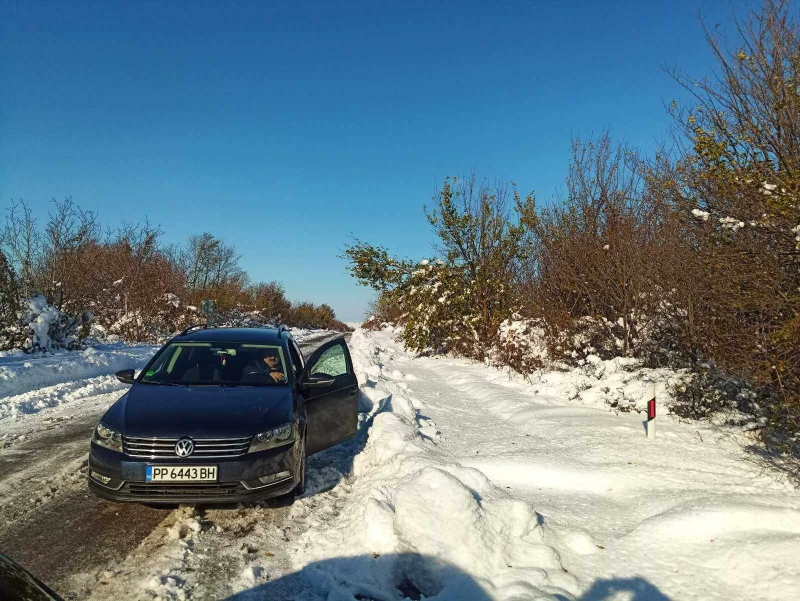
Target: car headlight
[
  {"x": 106, "y": 437},
  {"x": 276, "y": 437}
]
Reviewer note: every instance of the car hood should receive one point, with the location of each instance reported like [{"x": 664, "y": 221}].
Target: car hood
[{"x": 150, "y": 410}]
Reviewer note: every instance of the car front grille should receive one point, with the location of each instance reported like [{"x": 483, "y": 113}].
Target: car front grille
[
  {"x": 204, "y": 448},
  {"x": 182, "y": 489}
]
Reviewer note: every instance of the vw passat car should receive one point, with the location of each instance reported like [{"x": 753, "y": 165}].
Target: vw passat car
[{"x": 223, "y": 415}]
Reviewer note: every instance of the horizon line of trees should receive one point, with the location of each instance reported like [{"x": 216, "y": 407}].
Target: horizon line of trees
[
  {"x": 689, "y": 258},
  {"x": 125, "y": 281}
]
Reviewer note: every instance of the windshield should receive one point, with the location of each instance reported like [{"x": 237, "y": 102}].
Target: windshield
[{"x": 217, "y": 363}]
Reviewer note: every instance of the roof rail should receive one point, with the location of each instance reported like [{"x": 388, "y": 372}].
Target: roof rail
[
  {"x": 281, "y": 329},
  {"x": 197, "y": 326}
]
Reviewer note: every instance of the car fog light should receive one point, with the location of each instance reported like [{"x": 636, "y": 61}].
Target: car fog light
[
  {"x": 101, "y": 478},
  {"x": 275, "y": 477}
]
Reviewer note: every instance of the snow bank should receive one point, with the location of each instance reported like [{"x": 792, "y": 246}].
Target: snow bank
[
  {"x": 29, "y": 383},
  {"x": 708, "y": 518},
  {"x": 409, "y": 499},
  {"x": 621, "y": 384}
]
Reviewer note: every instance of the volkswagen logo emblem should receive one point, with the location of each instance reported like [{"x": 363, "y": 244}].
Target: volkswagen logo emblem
[{"x": 184, "y": 447}]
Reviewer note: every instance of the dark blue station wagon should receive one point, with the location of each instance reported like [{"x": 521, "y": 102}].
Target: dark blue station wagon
[{"x": 223, "y": 415}]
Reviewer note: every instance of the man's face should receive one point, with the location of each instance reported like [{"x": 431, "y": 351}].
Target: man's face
[{"x": 271, "y": 361}]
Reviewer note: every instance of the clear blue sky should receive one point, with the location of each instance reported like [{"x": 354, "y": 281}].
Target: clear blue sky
[{"x": 283, "y": 127}]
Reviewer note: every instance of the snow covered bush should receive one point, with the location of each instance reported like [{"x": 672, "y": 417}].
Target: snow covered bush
[
  {"x": 583, "y": 337},
  {"x": 241, "y": 318},
  {"x": 40, "y": 327},
  {"x": 456, "y": 303},
  {"x": 437, "y": 301},
  {"x": 520, "y": 345},
  {"x": 708, "y": 393},
  {"x": 161, "y": 318}
]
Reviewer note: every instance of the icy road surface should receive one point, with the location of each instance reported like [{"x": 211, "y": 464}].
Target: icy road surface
[{"x": 462, "y": 485}]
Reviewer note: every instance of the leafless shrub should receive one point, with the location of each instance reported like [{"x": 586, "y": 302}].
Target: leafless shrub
[
  {"x": 596, "y": 274},
  {"x": 383, "y": 310},
  {"x": 21, "y": 242},
  {"x": 124, "y": 281}
]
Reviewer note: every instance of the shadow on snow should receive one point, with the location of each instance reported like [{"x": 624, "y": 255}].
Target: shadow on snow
[{"x": 396, "y": 577}]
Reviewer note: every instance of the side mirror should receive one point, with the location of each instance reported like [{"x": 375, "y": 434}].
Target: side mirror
[
  {"x": 125, "y": 376},
  {"x": 317, "y": 381}
]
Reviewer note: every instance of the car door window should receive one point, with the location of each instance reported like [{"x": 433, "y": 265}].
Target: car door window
[
  {"x": 332, "y": 407},
  {"x": 297, "y": 362},
  {"x": 332, "y": 362}
]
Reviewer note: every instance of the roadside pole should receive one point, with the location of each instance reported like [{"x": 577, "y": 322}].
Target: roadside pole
[{"x": 651, "y": 413}]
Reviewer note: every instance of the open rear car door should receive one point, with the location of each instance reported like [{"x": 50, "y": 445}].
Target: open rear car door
[{"x": 330, "y": 389}]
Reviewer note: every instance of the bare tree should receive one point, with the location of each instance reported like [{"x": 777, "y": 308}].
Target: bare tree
[
  {"x": 21, "y": 242},
  {"x": 599, "y": 254},
  {"x": 69, "y": 229},
  {"x": 211, "y": 264},
  {"x": 141, "y": 246}
]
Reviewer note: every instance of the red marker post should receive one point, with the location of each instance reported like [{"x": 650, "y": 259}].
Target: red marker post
[{"x": 651, "y": 413}]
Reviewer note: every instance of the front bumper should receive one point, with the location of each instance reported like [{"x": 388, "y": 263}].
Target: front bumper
[{"x": 238, "y": 478}]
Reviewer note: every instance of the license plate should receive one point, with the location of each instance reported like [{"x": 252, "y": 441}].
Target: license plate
[{"x": 181, "y": 473}]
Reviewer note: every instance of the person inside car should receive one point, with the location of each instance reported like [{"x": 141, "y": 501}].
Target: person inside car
[{"x": 269, "y": 365}]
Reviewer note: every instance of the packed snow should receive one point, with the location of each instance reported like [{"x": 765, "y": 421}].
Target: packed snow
[
  {"x": 466, "y": 483},
  {"x": 32, "y": 382}
]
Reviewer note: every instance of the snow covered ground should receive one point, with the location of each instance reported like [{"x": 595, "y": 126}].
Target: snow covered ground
[
  {"x": 465, "y": 484},
  {"x": 30, "y": 383}
]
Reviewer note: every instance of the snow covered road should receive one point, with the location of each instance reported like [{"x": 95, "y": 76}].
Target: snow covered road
[
  {"x": 462, "y": 484},
  {"x": 686, "y": 516}
]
